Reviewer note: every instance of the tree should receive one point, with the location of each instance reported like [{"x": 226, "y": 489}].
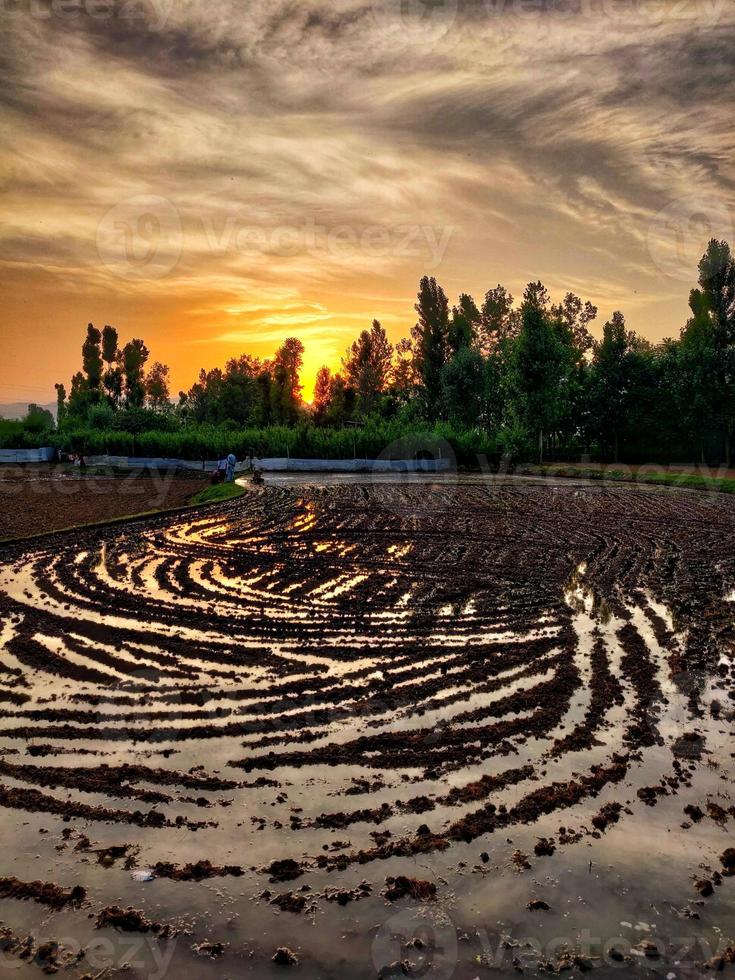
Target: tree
[
  {"x": 497, "y": 373},
  {"x": 113, "y": 383},
  {"x": 92, "y": 360},
  {"x": 240, "y": 395},
  {"x": 463, "y": 388},
  {"x": 60, "y": 404},
  {"x": 342, "y": 402},
  {"x": 539, "y": 367},
  {"x": 38, "y": 419},
  {"x": 285, "y": 393},
  {"x": 156, "y": 387},
  {"x": 322, "y": 393},
  {"x": 112, "y": 379},
  {"x": 532, "y": 372},
  {"x": 431, "y": 341},
  {"x": 334, "y": 399},
  {"x": 717, "y": 281},
  {"x": 367, "y": 366},
  {"x": 109, "y": 344},
  {"x": 201, "y": 399},
  {"x": 404, "y": 377},
  {"x": 134, "y": 358},
  {"x": 716, "y": 300},
  {"x": 463, "y": 324},
  {"x": 610, "y": 381},
  {"x": 573, "y": 317},
  {"x": 700, "y": 383},
  {"x": 498, "y": 320},
  {"x": 263, "y": 383},
  {"x": 78, "y": 396}
]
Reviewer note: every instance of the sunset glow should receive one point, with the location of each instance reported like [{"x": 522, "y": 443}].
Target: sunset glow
[{"x": 217, "y": 177}]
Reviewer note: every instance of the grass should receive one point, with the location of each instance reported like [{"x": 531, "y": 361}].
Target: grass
[
  {"x": 218, "y": 493},
  {"x": 691, "y": 481},
  {"x": 722, "y": 484}
]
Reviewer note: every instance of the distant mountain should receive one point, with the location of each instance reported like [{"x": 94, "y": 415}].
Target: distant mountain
[{"x": 18, "y": 410}]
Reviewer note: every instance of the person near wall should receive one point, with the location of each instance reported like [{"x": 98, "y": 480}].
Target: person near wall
[{"x": 231, "y": 463}]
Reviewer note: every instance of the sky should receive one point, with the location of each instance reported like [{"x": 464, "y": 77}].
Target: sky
[{"x": 215, "y": 176}]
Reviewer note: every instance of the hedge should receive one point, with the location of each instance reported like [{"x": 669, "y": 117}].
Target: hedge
[{"x": 390, "y": 439}]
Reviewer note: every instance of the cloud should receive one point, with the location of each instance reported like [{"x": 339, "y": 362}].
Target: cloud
[{"x": 530, "y": 142}]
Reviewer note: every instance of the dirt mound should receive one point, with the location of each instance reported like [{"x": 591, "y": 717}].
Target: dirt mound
[{"x": 45, "y": 892}]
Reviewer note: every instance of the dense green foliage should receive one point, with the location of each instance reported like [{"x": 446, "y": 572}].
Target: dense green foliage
[
  {"x": 205, "y": 441},
  {"x": 28, "y": 433},
  {"x": 493, "y": 379}
]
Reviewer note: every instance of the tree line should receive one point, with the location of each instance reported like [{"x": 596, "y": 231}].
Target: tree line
[{"x": 530, "y": 375}]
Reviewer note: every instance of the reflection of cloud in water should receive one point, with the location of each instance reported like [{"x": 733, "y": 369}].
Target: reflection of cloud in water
[{"x": 386, "y": 672}]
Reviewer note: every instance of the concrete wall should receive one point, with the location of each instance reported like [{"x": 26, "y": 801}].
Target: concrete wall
[
  {"x": 157, "y": 463},
  {"x": 273, "y": 465},
  {"x": 353, "y": 465},
  {"x": 26, "y": 455}
]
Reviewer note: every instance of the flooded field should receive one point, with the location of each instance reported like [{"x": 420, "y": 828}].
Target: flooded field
[{"x": 374, "y": 730}]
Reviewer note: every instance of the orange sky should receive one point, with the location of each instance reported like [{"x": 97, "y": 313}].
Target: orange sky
[{"x": 215, "y": 179}]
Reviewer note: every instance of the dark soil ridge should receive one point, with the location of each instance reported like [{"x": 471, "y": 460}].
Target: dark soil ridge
[{"x": 471, "y": 565}]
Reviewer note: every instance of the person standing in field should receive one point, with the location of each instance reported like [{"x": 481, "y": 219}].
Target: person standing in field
[{"x": 231, "y": 464}]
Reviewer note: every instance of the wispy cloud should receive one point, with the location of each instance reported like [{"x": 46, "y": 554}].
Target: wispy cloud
[{"x": 314, "y": 159}]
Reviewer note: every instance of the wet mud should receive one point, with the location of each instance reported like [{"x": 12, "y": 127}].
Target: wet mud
[{"x": 320, "y": 702}]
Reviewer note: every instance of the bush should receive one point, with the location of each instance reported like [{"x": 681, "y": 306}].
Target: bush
[
  {"x": 514, "y": 443},
  {"x": 387, "y": 439},
  {"x": 102, "y": 416},
  {"x": 38, "y": 420},
  {"x": 16, "y": 434},
  {"x": 11, "y": 434}
]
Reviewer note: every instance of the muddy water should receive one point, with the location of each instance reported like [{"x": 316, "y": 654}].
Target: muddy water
[{"x": 371, "y": 681}]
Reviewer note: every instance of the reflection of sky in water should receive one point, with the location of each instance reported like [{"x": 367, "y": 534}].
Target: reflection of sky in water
[{"x": 627, "y": 884}]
